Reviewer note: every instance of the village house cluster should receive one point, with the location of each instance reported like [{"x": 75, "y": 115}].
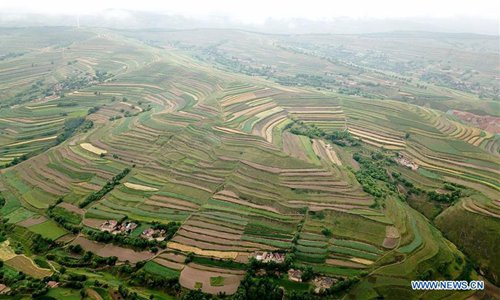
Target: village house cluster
[
  {"x": 295, "y": 275},
  {"x": 114, "y": 227},
  {"x": 407, "y": 162},
  {"x": 323, "y": 283},
  {"x": 267, "y": 257},
  {"x": 150, "y": 234},
  {"x": 154, "y": 234}
]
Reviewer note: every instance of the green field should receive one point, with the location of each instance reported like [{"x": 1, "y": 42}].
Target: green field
[{"x": 366, "y": 158}]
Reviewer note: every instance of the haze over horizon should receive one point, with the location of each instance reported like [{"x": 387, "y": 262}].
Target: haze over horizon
[{"x": 316, "y": 16}]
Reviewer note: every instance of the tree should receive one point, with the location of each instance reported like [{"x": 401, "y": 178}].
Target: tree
[
  {"x": 307, "y": 274},
  {"x": 326, "y": 232},
  {"x": 189, "y": 258}
]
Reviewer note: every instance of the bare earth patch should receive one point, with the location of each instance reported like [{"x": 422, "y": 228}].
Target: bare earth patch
[
  {"x": 35, "y": 220},
  {"x": 169, "y": 264},
  {"x": 93, "y": 223},
  {"x": 72, "y": 208},
  {"x": 391, "y": 237},
  {"x": 107, "y": 250},
  {"x": 190, "y": 277}
]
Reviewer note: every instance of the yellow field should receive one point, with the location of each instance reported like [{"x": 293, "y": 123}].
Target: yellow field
[
  {"x": 362, "y": 261},
  {"x": 6, "y": 251},
  {"x": 195, "y": 250},
  {"x": 32, "y": 141},
  {"x": 140, "y": 187},
  {"x": 93, "y": 149},
  {"x": 21, "y": 262}
]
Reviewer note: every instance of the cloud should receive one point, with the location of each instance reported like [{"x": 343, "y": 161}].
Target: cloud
[{"x": 257, "y": 11}]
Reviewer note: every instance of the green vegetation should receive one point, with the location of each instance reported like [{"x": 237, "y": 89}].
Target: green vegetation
[
  {"x": 217, "y": 281},
  {"x": 48, "y": 230},
  {"x": 374, "y": 166},
  {"x": 105, "y": 189},
  {"x": 156, "y": 269}
]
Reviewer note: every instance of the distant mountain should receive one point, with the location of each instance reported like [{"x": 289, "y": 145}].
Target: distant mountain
[{"x": 114, "y": 18}]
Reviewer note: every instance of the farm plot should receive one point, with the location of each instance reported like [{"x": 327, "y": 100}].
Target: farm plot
[
  {"x": 21, "y": 262},
  {"x": 210, "y": 280},
  {"x": 107, "y": 250}
]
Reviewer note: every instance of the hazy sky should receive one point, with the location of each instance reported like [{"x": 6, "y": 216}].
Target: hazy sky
[{"x": 257, "y": 11}]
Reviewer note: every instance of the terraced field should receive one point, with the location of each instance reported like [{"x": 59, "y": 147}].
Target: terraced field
[{"x": 213, "y": 150}]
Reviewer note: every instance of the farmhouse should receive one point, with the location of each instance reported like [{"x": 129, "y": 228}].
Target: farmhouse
[
  {"x": 295, "y": 275},
  {"x": 109, "y": 225},
  {"x": 267, "y": 257},
  {"x": 322, "y": 283},
  {"x": 52, "y": 284},
  {"x": 153, "y": 234},
  {"x": 115, "y": 228},
  {"x": 4, "y": 289},
  {"x": 407, "y": 162},
  {"x": 126, "y": 227}
]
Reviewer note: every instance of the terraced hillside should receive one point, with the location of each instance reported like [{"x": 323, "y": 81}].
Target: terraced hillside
[{"x": 214, "y": 167}]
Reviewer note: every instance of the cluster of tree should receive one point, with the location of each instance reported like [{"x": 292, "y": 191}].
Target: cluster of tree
[
  {"x": 447, "y": 198},
  {"x": 134, "y": 275},
  {"x": 341, "y": 138},
  {"x": 67, "y": 220},
  {"x": 93, "y": 110},
  {"x": 40, "y": 244},
  {"x": 265, "y": 288},
  {"x": 22, "y": 284},
  {"x": 78, "y": 257},
  {"x": 126, "y": 294},
  {"x": 349, "y": 91},
  {"x": 235, "y": 64},
  {"x": 170, "y": 228},
  {"x": 298, "y": 127},
  {"x": 411, "y": 189},
  {"x": 306, "y": 80},
  {"x": 142, "y": 278},
  {"x": 271, "y": 267},
  {"x": 445, "y": 79},
  {"x": 35, "y": 91},
  {"x": 124, "y": 240},
  {"x": 112, "y": 118},
  {"x": 108, "y": 187},
  {"x": 326, "y": 232},
  {"x": 16, "y": 161},
  {"x": 74, "y": 281},
  {"x": 11, "y": 55},
  {"x": 444, "y": 198},
  {"x": 371, "y": 171},
  {"x": 4, "y": 228},
  {"x": 257, "y": 289},
  {"x": 66, "y": 104},
  {"x": 70, "y": 126},
  {"x": 83, "y": 80},
  {"x": 336, "y": 290},
  {"x": 101, "y": 76}
]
